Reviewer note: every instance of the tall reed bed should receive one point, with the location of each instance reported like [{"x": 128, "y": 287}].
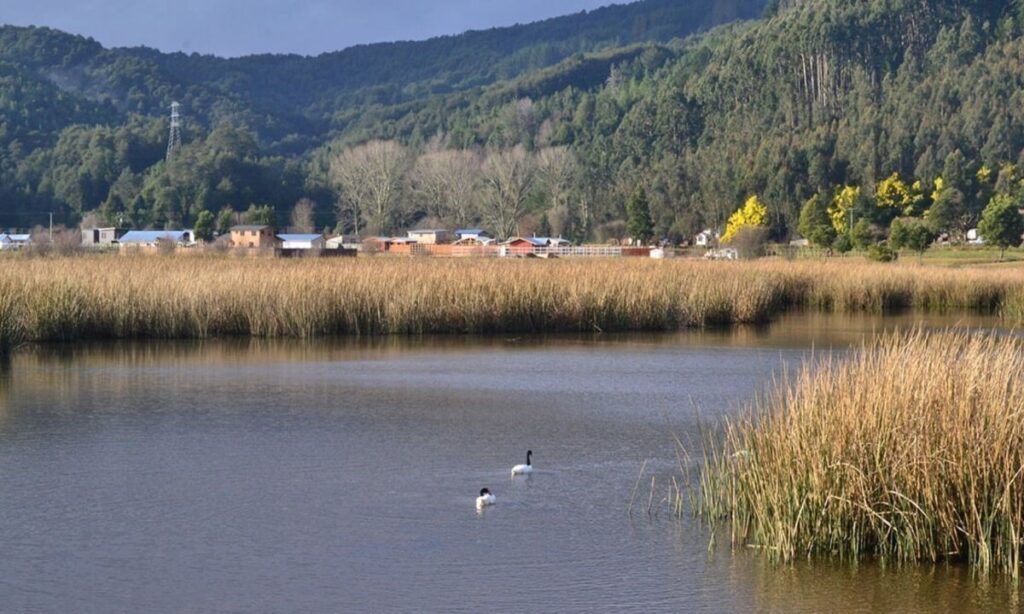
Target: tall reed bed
[
  {"x": 910, "y": 450},
  {"x": 186, "y": 297}
]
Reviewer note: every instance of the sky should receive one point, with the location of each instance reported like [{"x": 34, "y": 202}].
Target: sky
[{"x": 241, "y": 27}]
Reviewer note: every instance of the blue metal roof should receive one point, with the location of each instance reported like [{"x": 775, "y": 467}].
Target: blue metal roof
[
  {"x": 299, "y": 237},
  {"x": 152, "y": 236}
]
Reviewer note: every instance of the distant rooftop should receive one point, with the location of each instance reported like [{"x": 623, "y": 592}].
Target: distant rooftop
[
  {"x": 299, "y": 237},
  {"x": 152, "y": 236}
]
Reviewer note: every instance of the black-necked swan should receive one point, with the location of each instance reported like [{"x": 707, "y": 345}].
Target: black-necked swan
[
  {"x": 524, "y": 469},
  {"x": 485, "y": 498}
]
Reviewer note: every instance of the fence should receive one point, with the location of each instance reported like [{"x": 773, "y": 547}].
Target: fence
[{"x": 498, "y": 251}]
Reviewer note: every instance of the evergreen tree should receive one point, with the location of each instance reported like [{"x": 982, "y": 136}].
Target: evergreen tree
[
  {"x": 815, "y": 224},
  {"x": 544, "y": 227},
  {"x": 638, "y": 217},
  {"x": 225, "y": 219},
  {"x": 203, "y": 227}
]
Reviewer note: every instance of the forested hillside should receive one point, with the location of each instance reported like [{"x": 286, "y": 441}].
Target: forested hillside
[{"x": 870, "y": 110}]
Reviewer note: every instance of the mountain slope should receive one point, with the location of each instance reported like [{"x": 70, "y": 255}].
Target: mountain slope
[{"x": 282, "y": 94}]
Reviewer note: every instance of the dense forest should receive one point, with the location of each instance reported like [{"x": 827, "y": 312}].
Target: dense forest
[{"x": 841, "y": 117}]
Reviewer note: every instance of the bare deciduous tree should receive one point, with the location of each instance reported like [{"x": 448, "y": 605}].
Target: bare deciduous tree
[
  {"x": 507, "y": 178},
  {"x": 370, "y": 178},
  {"x": 446, "y": 183},
  {"x": 303, "y": 216},
  {"x": 556, "y": 170}
]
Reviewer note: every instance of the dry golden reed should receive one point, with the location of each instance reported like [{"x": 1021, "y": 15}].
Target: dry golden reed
[
  {"x": 910, "y": 450},
  {"x": 194, "y": 297}
]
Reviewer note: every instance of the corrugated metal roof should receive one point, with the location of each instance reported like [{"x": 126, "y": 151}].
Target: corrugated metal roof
[
  {"x": 534, "y": 240},
  {"x": 299, "y": 237},
  {"x": 152, "y": 236}
]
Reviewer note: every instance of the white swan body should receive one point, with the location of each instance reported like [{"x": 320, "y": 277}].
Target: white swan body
[
  {"x": 485, "y": 499},
  {"x": 524, "y": 469}
]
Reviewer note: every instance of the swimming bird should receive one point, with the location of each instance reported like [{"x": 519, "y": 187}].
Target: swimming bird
[
  {"x": 524, "y": 469},
  {"x": 485, "y": 499}
]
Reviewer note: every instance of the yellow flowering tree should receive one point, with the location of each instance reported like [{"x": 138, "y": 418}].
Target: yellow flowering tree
[
  {"x": 753, "y": 214},
  {"x": 940, "y": 185},
  {"x": 896, "y": 197},
  {"x": 842, "y": 204}
]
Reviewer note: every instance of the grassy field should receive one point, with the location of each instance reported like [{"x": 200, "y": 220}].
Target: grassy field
[
  {"x": 61, "y": 299},
  {"x": 912, "y": 450}
]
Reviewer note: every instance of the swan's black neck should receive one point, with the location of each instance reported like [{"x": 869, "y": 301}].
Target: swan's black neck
[
  {"x": 484, "y": 491},
  {"x": 529, "y": 453}
]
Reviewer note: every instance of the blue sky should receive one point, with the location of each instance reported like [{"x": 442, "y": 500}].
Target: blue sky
[{"x": 239, "y": 27}]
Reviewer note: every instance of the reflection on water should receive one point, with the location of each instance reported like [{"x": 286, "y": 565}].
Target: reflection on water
[{"x": 265, "y": 476}]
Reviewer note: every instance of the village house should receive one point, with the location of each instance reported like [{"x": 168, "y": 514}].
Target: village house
[
  {"x": 343, "y": 242},
  {"x": 520, "y": 246},
  {"x": 473, "y": 234},
  {"x": 253, "y": 236},
  {"x": 14, "y": 241},
  {"x": 473, "y": 238},
  {"x": 430, "y": 237},
  {"x": 150, "y": 240},
  {"x": 102, "y": 237},
  {"x": 706, "y": 238},
  {"x": 553, "y": 241},
  {"x": 301, "y": 241}
]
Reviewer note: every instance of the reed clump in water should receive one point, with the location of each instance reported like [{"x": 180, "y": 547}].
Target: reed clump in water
[
  {"x": 910, "y": 450},
  {"x": 48, "y": 299}
]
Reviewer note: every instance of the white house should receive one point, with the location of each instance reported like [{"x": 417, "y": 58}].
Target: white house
[
  {"x": 553, "y": 241},
  {"x": 302, "y": 241},
  {"x": 430, "y": 236},
  {"x": 14, "y": 241},
  {"x": 151, "y": 238},
  {"x": 343, "y": 242},
  {"x": 975, "y": 238},
  {"x": 474, "y": 233},
  {"x": 706, "y": 238}
]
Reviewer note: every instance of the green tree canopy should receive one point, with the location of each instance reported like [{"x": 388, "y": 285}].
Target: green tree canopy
[
  {"x": 1001, "y": 223},
  {"x": 638, "y": 217},
  {"x": 815, "y": 224},
  {"x": 204, "y": 226}
]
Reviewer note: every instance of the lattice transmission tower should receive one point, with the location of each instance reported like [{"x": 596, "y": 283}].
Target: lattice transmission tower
[{"x": 174, "y": 141}]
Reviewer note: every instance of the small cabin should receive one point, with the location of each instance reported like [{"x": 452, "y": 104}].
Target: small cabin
[
  {"x": 553, "y": 241},
  {"x": 430, "y": 237},
  {"x": 343, "y": 242},
  {"x": 102, "y": 237},
  {"x": 522, "y": 245},
  {"x": 14, "y": 241},
  {"x": 301, "y": 241},
  {"x": 474, "y": 233},
  {"x": 148, "y": 241},
  {"x": 473, "y": 239},
  {"x": 706, "y": 238}
]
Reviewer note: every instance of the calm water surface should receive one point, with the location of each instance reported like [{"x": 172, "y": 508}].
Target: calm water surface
[{"x": 254, "y": 476}]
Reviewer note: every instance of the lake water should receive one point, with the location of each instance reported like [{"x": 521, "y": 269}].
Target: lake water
[{"x": 340, "y": 476}]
